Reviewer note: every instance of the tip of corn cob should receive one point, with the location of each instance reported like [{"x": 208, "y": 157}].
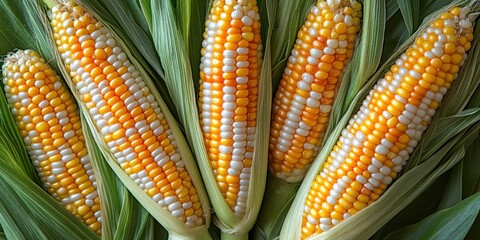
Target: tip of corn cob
[
  {"x": 304, "y": 99},
  {"x": 380, "y": 138},
  {"x": 47, "y": 117}
]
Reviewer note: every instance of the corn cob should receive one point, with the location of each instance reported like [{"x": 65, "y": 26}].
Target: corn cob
[
  {"x": 230, "y": 69},
  {"x": 125, "y": 112},
  {"x": 304, "y": 99},
  {"x": 47, "y": 118},
  {"x": 380, "y": 138}
]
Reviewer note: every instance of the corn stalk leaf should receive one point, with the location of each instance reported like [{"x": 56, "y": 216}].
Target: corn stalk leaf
[
  {"x": 392, "y": 8},
  {"x": 471, "y": 164},
  {"x": 451, "y": 223},
  {"x": 474, "y": 232},
  {"x": 396, "y": 25},
  {"x": 452, "y": 193},
  {"x": 410, "y": 10}
]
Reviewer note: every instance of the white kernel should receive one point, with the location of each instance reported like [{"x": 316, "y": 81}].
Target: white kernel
[
  {"x": 332, "y": 43},
  {"x": 329, "y": 50}
]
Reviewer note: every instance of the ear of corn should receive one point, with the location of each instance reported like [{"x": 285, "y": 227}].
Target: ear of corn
[
  {"x": 304, "y": 99},
  {"x": 179, "y": 80},
  {"x": 133, "y": 126},
  {"x": 231, "y": 60},
  {"x": 380, "y": 138},
  {"x": 48, "y": 120}
]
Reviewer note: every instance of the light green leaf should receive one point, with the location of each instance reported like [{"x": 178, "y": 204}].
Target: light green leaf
[
  {"x": 410, "y": 12},
  {"x": 392, "y": 8}
]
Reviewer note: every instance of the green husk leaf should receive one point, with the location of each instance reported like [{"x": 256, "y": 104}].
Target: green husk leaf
[
  {"x": 474, "y": 232},
  {"x": 392, "y": 8},
  {"x": 471, "y": 164},
  {"x": 421, "y": 207},
  {"x": 193, "y": 36},
  {"x": 425, "y": 170},
  {"x": 277, "y": 199},
  {"x": 451, "y": 223},
  {"x": 176, "y": 64},
  {"x": 175, "y": 227},
  {"x": 410, "y": 10}
]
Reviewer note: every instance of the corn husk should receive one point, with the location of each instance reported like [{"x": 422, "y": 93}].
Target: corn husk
[
  {"x": 177, "y": 48},
  {"x": 442, "y": 146},
  {"x": 175, "y": 227}
]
